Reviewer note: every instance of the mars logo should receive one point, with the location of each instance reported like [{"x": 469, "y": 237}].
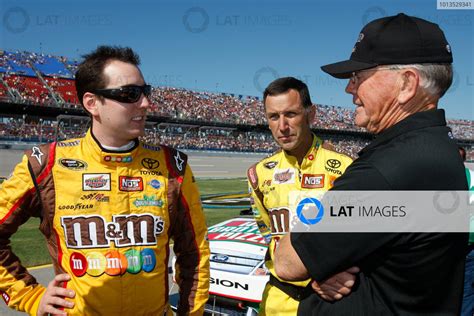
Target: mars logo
[
  {"x": 125, "y": 230},
  {"x": 113, "y": 262},
  {"x": 130, "y": 183},
  {"x": 312, "y": 181}
]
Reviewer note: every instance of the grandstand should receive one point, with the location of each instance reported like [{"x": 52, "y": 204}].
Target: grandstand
[{"x": 38, "y": 104}]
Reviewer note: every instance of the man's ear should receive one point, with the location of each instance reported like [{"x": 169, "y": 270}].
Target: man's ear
[
  {"x": 409, "y": 85},
  {"x": 91, "y": 102}
]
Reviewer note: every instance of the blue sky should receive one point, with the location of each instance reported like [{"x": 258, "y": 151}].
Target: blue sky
[{"x": 232, "y": 46}]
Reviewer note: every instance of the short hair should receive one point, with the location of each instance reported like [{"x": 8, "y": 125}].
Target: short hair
[
  {"x": 90, "y": 73},
  {"x": 283, "y": 85},
  {"x": 435, "y": 78}
]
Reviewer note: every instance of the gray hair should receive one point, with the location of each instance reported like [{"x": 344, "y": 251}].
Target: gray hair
[{"x": 435, "y": 78}]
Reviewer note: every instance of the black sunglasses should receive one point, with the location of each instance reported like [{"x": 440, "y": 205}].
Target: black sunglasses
[{"x": 126, "y": 94}]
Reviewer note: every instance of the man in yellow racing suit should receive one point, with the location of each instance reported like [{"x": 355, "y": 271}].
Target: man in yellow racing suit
[
  {"x": 303, "y": 163},
  {"x": 109, "y": 211}
]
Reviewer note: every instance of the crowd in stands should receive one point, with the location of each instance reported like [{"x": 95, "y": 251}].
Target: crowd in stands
[
  {"x": 47, "y": 80},
  {"x": 28, "y": 90},
  {"x": 31, "y": 130},
  {"x": 179, "y": 136}
]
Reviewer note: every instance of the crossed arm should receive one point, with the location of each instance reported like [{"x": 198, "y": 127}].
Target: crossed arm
[{"x": 289, "y": 267}]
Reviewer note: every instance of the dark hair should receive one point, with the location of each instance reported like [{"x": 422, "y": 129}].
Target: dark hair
[
  {"x": 282, "y": 85},
  {"x": 90, "y": 73},
  {"x": 462, "y": 152}
]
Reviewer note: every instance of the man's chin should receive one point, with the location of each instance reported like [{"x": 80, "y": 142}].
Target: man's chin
[
  {"x": 360, "y": 122},
  {"x": 287, "y": 146}
]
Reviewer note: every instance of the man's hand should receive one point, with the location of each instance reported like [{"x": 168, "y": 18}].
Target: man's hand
[
  {"x": 337, "y": 286},
  {"x": 54, "y": 296}
]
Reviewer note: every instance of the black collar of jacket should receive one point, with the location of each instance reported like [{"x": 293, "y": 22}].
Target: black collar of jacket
[{"x": 413, "y": 122}]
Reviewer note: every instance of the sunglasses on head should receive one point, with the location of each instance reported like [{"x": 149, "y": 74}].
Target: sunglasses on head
[{"x": 126, "y": 94}]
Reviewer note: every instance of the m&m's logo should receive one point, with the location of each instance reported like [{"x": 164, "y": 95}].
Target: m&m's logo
[{"x": 112, "y": 263}]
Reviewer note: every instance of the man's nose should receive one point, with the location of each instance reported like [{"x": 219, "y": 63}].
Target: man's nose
[
  {"x": 350, "y": 88},
  {"x": 146, "y": 102},
  {"x": 282, "y": 123}
]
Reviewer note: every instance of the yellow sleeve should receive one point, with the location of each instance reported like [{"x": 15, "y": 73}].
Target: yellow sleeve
[
  {"x": 18, "y": 202},
  {"x": 260, "y": 213}
]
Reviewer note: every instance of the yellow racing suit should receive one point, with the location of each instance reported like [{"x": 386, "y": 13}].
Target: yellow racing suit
[
  {"x": 108, "y": 219},
  {"x": 271, "y": 181}
]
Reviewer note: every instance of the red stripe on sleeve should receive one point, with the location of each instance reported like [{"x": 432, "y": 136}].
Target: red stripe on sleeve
[
  {"x": 48, "y": 168},
  {"x": 17, "y": 205}
]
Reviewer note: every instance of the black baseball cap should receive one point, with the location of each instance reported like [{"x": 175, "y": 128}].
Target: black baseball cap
[{"x": 399, "y": 39}]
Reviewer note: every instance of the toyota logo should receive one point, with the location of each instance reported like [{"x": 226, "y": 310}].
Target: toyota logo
[
  {"x": 150, "y": 163},
  {"x": 333, "y": 163}
]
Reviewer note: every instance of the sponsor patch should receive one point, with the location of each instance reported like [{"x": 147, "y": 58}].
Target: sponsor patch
[
  {"x": 68, "y": 144},
  {"x": 332, "y": 165},
  {"x": 270, "y": 164},
  {"x": 96, "y": 181},
  {"x": 78, "y": 264},
  {"x": 148, "y": 200},
  {"x": 252, "y": 176},
  {"x": 284, "y": 176},
  {"x": 151, "y": 147},
  {"x": 130, "y": 183},
  {"x": 124, "y": 159},
  {"x": 155, "y": 184},
  {"x": 99, "y": 197},
  {"x": 73, "y": 164},
  {"x": 77, "y": 206},
  {"x": 38, "y": 154},
  {"x": 150, "y": 163},
  {"x": 86, "y": 232},
  {"x": 312, "y": 181},
  {"x": 150, "y": 173}
]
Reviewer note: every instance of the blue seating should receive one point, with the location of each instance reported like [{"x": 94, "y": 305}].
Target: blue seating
[{"x": 53, "y": 67}]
